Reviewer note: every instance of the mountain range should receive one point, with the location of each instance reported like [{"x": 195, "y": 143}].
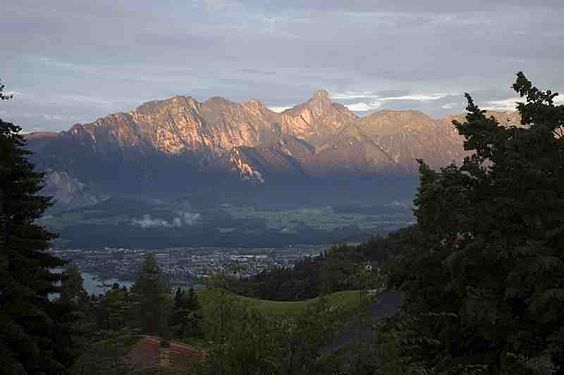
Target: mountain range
[{"x": 181, "y": 144}]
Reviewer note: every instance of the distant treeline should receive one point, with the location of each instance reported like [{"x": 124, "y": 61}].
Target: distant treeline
[{"x": 334, "y": 270}]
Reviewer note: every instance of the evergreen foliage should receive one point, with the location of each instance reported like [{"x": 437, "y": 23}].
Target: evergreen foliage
[
  {"x": 34, "y": 328},
  {"x": 186, "y": 319},
  {"x": 114, "y": 309},
  {"x": 334, "y": 270},
  {"x": 484, "y": 279},
  {"x": 151, "y": 299},
  {"x": 72, "y": 290},
  {"x": 245, "y": 341}
]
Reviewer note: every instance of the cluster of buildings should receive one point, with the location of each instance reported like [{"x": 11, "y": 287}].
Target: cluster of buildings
[{"x": 181, "y": 266}]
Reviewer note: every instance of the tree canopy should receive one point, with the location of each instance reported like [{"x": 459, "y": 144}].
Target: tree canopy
[
  {"x": 484, "y": 279},
  {"x": 151, "y": 298},
  {"x": 34, "y": 329}
]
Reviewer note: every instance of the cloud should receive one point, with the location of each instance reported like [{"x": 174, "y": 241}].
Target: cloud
[
  {"x": 185, "y": 218},
  {"x": 57, "y": 117},
  {"x": 87, "y": 59},
  {"x": 375, "y": 101},
  {"x": 12, "y": 93},
  {"x": 218, "y": 5},
  {"x": 147, "y": 221},
  {"x": 371, "y": 6},
  {"x": 449, "y": 106},
  {"x": 510, "y": 104},
  {"x": 350, "y": 95},
  {"x": 279, "y": 109},
  {"x": 417, "y": 97},
  {"x": 506, "y": 105},
  {"x": 88, "y": 100},
  {"x": 363, "y": 106},
  {"x": 190, "y": 218}
]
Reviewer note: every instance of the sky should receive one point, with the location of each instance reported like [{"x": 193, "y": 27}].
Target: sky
[{"x": 68, "y": 61}]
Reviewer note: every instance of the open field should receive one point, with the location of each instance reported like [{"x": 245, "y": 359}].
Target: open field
[
  {"x": 320, "y": 218},
  {"x": 348, "y": 300}
]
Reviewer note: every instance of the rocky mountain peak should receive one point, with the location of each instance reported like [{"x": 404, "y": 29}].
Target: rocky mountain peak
[
  {"x": 156, "y": 106},
  {"x": 218, "y": 100},
  {"x": 251, "y": 141},
  {"x": 255, "y": 104},
  {"x": 316, "y": 118},
  {"x": 320, "y": 101},
  {"x": 319, "y": 104},
  {"x": 394, "y": 122},
  {"x": 321, "y": 95}
]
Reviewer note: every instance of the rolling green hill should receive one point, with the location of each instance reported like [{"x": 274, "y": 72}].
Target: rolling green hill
[{"x": 349, "y": 299}]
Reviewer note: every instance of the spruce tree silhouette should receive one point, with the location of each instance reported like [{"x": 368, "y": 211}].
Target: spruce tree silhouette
[{"x": 34, "y": 328}]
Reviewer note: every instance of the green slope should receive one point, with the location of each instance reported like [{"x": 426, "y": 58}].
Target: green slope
[{"x": 348, "y": 299}]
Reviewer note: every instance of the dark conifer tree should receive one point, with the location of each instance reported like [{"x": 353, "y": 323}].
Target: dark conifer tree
[
  {"x": 72, "y": 289},
  {"x": 151, "y": 299},
  {"x": 186, "y": 318},
  {"x": 112, "y": 309},
  {"x": 484, "y": 280},
  {"x": 34, "y": 337}
]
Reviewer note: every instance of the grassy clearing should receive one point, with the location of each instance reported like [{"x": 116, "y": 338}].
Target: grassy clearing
[{"x": 348, "y": 300}]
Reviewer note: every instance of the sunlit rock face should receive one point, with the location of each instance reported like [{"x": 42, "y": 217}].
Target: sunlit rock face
[
  {"x": 316, "y": 119},
  {"x": 180, "y": 136}
]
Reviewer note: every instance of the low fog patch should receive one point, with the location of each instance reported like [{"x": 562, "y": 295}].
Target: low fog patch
[{"x": 183, "y": 219}]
